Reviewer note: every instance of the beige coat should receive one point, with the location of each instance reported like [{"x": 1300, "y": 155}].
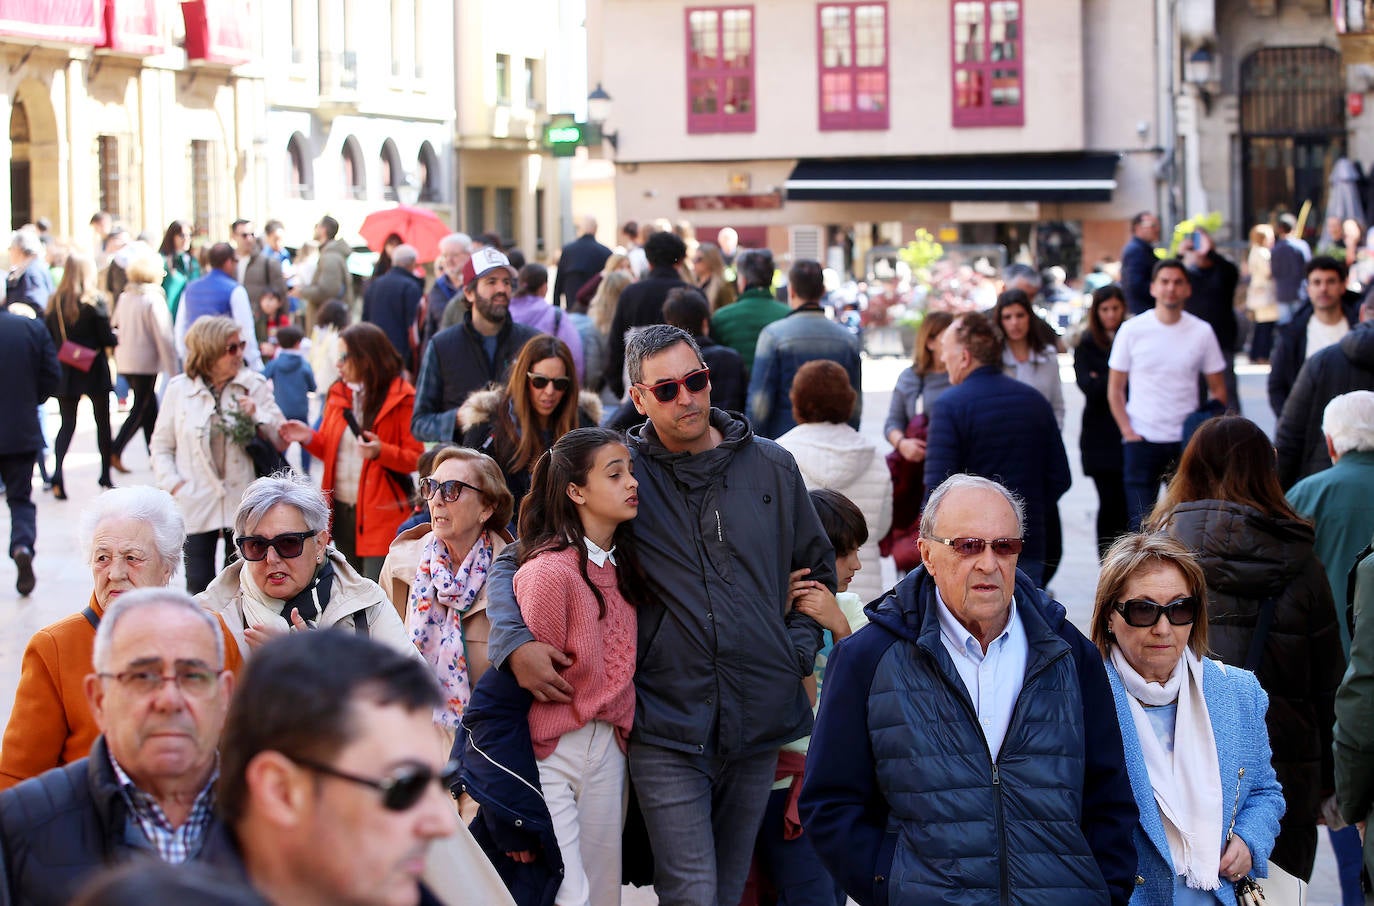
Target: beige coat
[
  {"x": 398, "y": 574},
  {"x": 145, "y": 332},
  {"x": 182, "y": 462},
  {"x": 351, "y": 593}
]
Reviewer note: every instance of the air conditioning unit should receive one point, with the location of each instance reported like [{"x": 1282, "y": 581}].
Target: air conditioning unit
[{"x": 806, "y": 242}]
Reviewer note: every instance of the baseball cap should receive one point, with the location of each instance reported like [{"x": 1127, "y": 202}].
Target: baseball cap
[{"x": 483, "y": 262}]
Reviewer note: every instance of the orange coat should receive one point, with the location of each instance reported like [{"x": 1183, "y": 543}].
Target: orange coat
[
  {"x": 382, "y": 505},
  {"x": 51, "y": 723}
]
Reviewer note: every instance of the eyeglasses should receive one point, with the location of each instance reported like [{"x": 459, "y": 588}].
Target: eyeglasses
[
  {"x": 195, "y": 682},
  {"x": 972, "y": 547},
  {"x": 540, "y": 381},
  {"x": 1143, "y": 613},
  {"x": 667, "y": 390},
  {"x": 288, "y": 545},
  {"x": 448, "y": 490},
  {"x": 401, "y": 790},
  {"x": 236, "y": 348}
]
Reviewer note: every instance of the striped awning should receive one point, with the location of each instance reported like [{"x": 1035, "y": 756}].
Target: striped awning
[{"x": 1089, "y": 177}]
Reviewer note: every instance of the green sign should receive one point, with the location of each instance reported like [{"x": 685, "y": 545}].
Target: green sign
[{"x": 562, "y": 138}]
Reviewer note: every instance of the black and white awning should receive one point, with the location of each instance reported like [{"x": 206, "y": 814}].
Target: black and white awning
[{"x": 1083, "y": 177}]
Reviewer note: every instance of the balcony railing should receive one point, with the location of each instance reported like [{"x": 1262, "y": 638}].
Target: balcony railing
[{"x": 338, "y": 73}]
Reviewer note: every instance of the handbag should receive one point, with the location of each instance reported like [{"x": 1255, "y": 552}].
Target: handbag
[
  {"x": 908, "y": 493},
  {"x": 74, "y": 354},
  {"x": 267, "y": 459}
]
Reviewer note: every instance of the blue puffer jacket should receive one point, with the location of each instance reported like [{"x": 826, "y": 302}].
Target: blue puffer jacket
[
  {"x": 1236, "y": 706},
  {"x": 902, "y": 801}
]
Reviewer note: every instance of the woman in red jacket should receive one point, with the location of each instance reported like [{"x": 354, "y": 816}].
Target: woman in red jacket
[{"x": 365, "y": 443}]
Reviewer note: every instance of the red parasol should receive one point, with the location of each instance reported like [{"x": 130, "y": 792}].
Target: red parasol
[{"x": 419, "y": 227}]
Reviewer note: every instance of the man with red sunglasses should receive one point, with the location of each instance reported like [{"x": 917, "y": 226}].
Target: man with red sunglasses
[
  {"x": 967, "y": 749},
  {"x": 724, "y": 522}
]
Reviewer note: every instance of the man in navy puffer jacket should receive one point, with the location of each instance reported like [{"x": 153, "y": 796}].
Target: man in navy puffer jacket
[{"x": 966, "y": 749}]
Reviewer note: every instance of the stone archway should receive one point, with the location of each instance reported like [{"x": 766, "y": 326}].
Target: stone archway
[{"x": 34, "y": 159}]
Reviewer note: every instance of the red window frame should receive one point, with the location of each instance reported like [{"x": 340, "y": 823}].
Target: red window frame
[
  {"x": 854, "y": 90},
  {"x": 721, "y": 88},
  {"x": 987, "y": 62}
]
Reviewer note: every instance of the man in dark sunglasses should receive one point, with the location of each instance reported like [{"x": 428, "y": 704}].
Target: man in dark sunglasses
[
  {"x": 724, "y": 520},
  {"x": 334, "y": 785},
  {"x": 973, "y": 719}
]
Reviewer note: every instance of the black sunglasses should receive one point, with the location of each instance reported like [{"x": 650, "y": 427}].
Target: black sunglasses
[
  {"x": 540, "y": 381},
  {"x": 288, "y": 544},
  {"x": 1142, "y": 613},
  {"x": 448, "y": 490},
  {"x": 667, "y": 390},
  {"x": 401, "y": 790},
  {"x": 972, "y": 547},
  {"x": 236, "y": 348}
]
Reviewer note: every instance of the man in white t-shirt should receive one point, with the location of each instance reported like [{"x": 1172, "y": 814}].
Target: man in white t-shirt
[{"x": 1159, "y": 355}]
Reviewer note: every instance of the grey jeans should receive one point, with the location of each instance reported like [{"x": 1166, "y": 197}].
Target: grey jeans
[{"x": 703, "y": 814}]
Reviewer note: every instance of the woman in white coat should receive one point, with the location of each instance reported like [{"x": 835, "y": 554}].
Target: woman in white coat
[
  {"x": 208, "y": 415},
  {"x": 290, "y": 577},
  {"x": 145, "y": 348},
  {"x": 831, "y": 454}
]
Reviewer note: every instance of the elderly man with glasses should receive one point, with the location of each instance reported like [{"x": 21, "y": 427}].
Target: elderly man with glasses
[
  {"x": 967, "y": 747},
  {"x": 158, "y": 692}
]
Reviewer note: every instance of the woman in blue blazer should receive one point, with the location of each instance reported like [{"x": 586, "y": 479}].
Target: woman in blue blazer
[{"x": 1197, "y": 749}]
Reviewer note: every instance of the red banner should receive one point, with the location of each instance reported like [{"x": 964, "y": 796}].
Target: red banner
[
  {"x": 60, "y": 21},
  {"x": 217, "y": 31},
  {"x": 133, "y": 26}
]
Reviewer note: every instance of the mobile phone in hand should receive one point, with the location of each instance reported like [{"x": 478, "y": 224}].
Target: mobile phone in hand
[{"x": 352, "y": 422}]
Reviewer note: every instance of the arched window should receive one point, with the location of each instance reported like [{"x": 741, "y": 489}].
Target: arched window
[
  {"x": 427, "y": 174},
  {"x": 351, "y": 165},
  {"x": 297, "y": 168},
  {"x": 393, "y": 172}
]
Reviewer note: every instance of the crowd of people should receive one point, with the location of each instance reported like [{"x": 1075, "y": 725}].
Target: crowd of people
[{"x": 586, "y": 587}]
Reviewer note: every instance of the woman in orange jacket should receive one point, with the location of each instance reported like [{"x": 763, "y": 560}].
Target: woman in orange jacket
[{"x": 365, "y": 443}]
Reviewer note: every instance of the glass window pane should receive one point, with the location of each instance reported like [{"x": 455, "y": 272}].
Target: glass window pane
[
  {"x": 705, "y": 40},
  {"x": 835, "y": 92},
  {"x": 738, "y": 43},
  {"x": 872, "y": 30},
  {"x": 703, "y": 96},
  {"x": 872, "y": 92},
  {"x": 739, "y": 95}
]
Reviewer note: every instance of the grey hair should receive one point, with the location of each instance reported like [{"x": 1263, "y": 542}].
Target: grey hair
[
  {"x": 404, "y": 256},
  {"x": 283, "y": 487},
  {"x": 147, "y": 504},
  {"x": 1349, "y": 421},
  {"x": 651, "y": 340},
  {"x": 462, "y": 240},
  {"x": 129, "y": 602},
  {"x": 27, "y": 241},
  {"x": 965, "y": 480}
]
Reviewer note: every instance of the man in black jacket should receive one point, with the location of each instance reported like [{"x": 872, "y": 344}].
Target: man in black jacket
[
  {"x": 30, "y": 374},
  {"x": 392, "y": 300},
  {"x": 1329, "y": 313},
  {"x": 159, "y": 695},
  {"x": 470, "y": 355},
  {"x": 581, "y": 260},
  {"x": 642, "y": 302},
  {"x": 1212, "y": 279}
]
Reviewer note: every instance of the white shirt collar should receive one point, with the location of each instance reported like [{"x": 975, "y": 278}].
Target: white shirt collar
[
  {"x": 965, "y": 640},
  {"x": 597, "y": 555}
]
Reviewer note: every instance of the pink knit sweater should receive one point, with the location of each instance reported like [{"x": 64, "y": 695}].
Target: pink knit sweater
[{"x": 561, "y": 610}]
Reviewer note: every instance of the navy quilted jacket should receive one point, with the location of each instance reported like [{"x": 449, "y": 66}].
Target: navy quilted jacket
[{"x": 902, "y": 801}]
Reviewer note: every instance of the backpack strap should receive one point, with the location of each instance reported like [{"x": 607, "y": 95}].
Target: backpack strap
[
  {"x": 90, "y": 616},
  {"x": 1266, "y": 619}
]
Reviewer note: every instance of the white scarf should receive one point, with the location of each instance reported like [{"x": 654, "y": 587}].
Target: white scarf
[{"x": 1187, "y": 784}]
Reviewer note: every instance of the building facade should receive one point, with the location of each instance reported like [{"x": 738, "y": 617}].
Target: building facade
[
  {"x": 828, "y": 128},
  {"x": 150, "y": 110}
]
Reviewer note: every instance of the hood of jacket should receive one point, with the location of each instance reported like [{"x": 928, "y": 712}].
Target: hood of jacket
[
  {"x": 481, "y": 407},
  {"x": 336, "y": 246},
  {"x": 1358, "y": 346},
  {"x": 288, "y": 362},
  {"x": 1244, "y": 552},
  {"x": 829, "y": 455},
  {"x": 908, "y": 609},
  {"x": 700, "y": 469}
]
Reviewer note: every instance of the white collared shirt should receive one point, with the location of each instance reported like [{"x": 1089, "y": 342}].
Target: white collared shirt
[
  {"x": 597, "y": 555},
  {"x": 994, "y": 679}
]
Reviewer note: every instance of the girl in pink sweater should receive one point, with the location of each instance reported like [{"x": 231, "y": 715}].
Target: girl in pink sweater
[{"x": 577, "y": 579}]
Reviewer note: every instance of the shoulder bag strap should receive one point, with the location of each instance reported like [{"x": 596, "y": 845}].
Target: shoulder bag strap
[
  {"x": 90, "y": 616},
  {"x": 1266, "y": 619}
]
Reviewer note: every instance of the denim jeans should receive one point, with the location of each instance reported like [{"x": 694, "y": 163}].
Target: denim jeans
[
  {"x": 703, "y": 814},
  {"x": 1349, "y": 852},
  {"x": 1144, "y": 465}
]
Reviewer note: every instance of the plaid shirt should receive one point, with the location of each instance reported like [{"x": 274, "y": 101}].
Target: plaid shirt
[{"x": 173, "y": 844}]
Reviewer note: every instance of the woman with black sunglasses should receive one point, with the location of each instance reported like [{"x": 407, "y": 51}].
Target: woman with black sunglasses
[
  {"x": 1264, "y": 582},
  {"x": 289, "y": 577},
  {"x": 365, "y": 444},
  {"x": 540, "y": 403},
  {"x": 1197, "y": 749}
]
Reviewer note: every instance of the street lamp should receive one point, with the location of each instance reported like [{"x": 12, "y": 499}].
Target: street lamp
[
  {"x": 598, "y": 112},
  {"x": 1200, "y": 71},
  {"x": 408, "y": 191}
]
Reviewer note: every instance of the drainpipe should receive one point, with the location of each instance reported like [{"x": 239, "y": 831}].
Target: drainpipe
[{"x": 1166, "y": 172}]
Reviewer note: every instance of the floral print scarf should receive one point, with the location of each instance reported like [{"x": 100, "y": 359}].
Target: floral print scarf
[{"x": 439, "y": 597}]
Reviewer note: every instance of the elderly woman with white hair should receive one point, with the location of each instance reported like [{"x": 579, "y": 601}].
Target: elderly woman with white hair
[
  {"x": 289, "y": 577},
  {"x": 28, "y": 281},
  {"x": 132, "y": 538}
]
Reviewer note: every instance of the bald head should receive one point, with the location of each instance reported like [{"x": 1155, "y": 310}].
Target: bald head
[{"x": 588, "y": 226}]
